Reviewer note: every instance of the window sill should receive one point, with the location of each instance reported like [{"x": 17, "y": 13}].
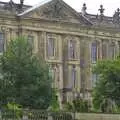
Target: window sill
[{"x": 70, "y": 59}]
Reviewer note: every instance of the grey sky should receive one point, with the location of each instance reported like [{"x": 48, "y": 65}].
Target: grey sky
[{"x": 92, "y": 5}]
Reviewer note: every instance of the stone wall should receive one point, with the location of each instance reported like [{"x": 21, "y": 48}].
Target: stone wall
[{"x": 93, "y": 116}]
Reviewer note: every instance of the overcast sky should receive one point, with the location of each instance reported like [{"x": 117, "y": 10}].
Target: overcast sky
[{"x": 92, "y": 5}]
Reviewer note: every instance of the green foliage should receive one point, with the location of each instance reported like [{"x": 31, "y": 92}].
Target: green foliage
[
  {"x": 106, "y": 94},
  {"x": 16, "y": 108},
  {"x": 78, "y": 105},
  {"x": 54, "y": 102},
  {"x": 25, "y": 77}
]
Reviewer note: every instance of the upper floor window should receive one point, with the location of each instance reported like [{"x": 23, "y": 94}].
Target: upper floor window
[
  {"x": 72, "y": 49},
  {"x": 50, "y": 46},
  {"x": 94, "y": 52},
  {"x": 2, "y": 41}
]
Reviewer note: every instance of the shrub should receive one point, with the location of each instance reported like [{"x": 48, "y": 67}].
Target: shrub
[{"x": 78, "y": 105}]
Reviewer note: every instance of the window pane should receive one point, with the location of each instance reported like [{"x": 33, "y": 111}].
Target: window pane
[
  {"x": 51, "y": 46},
  {"x": 72, "y": 52}
]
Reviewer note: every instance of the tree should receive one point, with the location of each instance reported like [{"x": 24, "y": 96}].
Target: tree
[
  {"x": 106, "y": 94},
  {"x": 25, "y": 77}
]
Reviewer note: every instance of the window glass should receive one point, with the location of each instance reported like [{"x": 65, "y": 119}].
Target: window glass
[
  {"x": 51, "y": 46},
  {"x": 72, "y": 49}
]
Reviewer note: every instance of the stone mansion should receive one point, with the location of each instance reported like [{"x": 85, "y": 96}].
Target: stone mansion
[{"x": 69, "y": 41}]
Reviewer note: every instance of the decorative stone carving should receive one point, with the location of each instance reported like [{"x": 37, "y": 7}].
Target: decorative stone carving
[
  {"x": 116, "y": 16},
  {"x": 53, "y": 10},
  {"x": 101, "y": 13},
  {"x": 84, "y": 8},
  {"x": 10, "y": 6},
  {"x": 101, "y": 10}
]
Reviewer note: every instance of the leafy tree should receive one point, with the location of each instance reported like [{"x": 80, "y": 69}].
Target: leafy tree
[
  {"x": 54, "y": 106},
  {"x": 24, "y": 77},
  {"x": 106, "y": 94}
]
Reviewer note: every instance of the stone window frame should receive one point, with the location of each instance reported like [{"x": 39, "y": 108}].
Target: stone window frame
[
  {"x": 54, "y": 37},
  {"x": 75, "y": 50}
]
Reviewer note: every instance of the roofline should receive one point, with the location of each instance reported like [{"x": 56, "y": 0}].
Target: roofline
[
  {"x": 33, "y": 8},
  {"x": 47, "y": 1}
]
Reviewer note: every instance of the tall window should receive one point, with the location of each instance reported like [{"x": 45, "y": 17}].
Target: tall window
[
  {"x": 94, "y": 52},
  {"x": 73, "y": 77},
  {"x": 50, "y": 46},
  {"x": 72, "y": 49},
  {"x": 31, "y": 41},
  {"x": 1, "y": 42}
]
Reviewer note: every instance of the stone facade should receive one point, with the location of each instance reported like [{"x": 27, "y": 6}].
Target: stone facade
[{"x": 70, "y": 42}]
